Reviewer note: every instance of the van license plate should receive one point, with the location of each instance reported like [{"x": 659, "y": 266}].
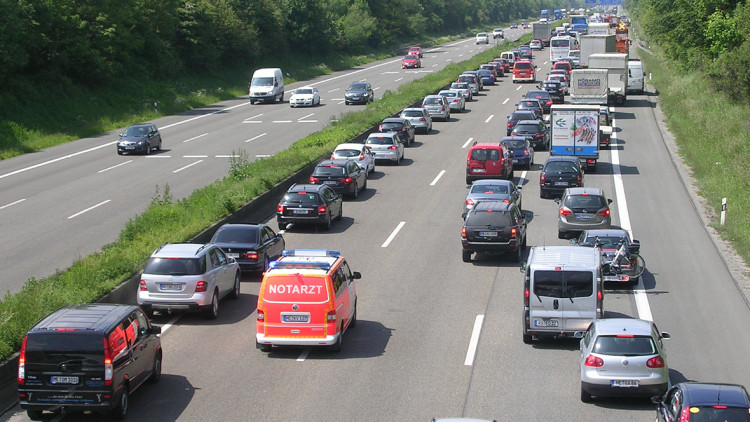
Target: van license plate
[
  {"x": 170, "y": 286},
  {"x": 296, "y": 318},
  {"x": 624, "y": 383},
  {"x": 545, "y": 323},
  {"x": 64, "y": 380},
  {"x": 477, "y": 170}
]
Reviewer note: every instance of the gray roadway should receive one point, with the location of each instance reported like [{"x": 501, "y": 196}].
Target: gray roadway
[{"x": 409, "y": 358}]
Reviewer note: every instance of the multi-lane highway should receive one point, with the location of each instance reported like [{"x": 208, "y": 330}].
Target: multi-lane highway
[{"x": 437, "y": 337}]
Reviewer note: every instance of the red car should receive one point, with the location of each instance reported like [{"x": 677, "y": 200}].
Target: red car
[
  {"x": 410, "y": 62},
  {"x": 415, "y": 51}
]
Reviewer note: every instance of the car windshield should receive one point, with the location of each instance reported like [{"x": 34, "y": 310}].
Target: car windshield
[
  {"x": 136, "y": 131},
  {"x": 411, "y": 58},
  {"x": 329, "y": 170},
  {"x": 304, "y": 91},
  {"x": 526, "y": 128},
  {"x": 175, "y": 266},
  {"x": 412, "y": 113},
  {"x": 488, "y": 189},
  {"x": 515, "y": 144},
  {"x": 268, "y": 81},
  {"x": 358, "y": 87},
  {"x": 379, "y": 140},
  {"x": 489, "y": 217},
  {"x": 237, "y": 235},
  {"x": 585, "y": 201},
  {"x": 625, "y": 345},
  {"x": 561, "y": 167},
  {"x": 347, "y": 152}
]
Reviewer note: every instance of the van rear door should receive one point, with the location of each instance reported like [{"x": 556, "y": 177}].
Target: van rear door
[
  {"x": 546, "y": 300},
  {"x": 579, "y": 307},
  {"x": 295, "y": 305},
  {"x": 487, "y": 162}
]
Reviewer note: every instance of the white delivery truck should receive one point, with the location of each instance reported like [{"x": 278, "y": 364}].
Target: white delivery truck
[
  {"x": 636, "y": 81},
  {"x": 617, "y": 78},
  {"x": 541, "y": 31},
  {"x": 596, "y": 44},
  {"x": 576, "y": 132},
  {"x": 267, "y": 85},
  {"x": 599, "y": 28},
  {"x": 588, "y": 86}
]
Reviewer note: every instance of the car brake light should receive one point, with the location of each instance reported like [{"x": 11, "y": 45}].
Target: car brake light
[
  {"x": 549, "y": 102},
  {"x": 719, "y": 407},
  {"x": 422, "y": 119},
  {"x": 314, "y": 179},
  {"x": 332, "y": 156},
  {"x": 280, "y": 208},
  {"x": 201, "y": 286},
  {"x": 261, "y": 315},
  {"x": 578, "y": 179},
  {"x": 142, "y": 286},
  {"x": 510, "y": 124},
  {"x": 594, "y": 361},
  {"x": 108, "y": 370},
  {"x": 526, "y": 152},
  {"x": 565, "y": 211},
  {"x": 380, "y": 128},
  {"x": 251, "y": 255},
  {"x": 403, "y": 128},
  {"x": 655, "y": 362},
  {"x": 393, "y": 147},
  {"x": 22, "y": 363},
  {"x": 685, "y": 414},
  {"x": 361, "y": 157},
  {"x": 603, "y": 213},
  {"x": 513, "y": 232},
  {"x": 542, "y": 179},
  {"x": 470, "y": 202},
  {"x": 347, "y": 180},
  {"x": 322, "y": 209},
  {"x": 463, "y": 232},
  {"x": 331, "y": 316},
  {"x": 526, "y": 297},
  {"x": 539, "y": 136}
]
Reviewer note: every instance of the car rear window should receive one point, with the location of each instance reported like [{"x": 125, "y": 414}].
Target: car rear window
[
  {"x": 485, "y": 154},
  {"x": 175, "y": 266},
  {"x": 523, "y": 115},
  {"x": 378, "y": 140},
  {"x": 296, "y": 288},
  {"x": 515, "y": 144},
  {"x": 584, "y": 201},
  {"x": 490, "y": 217},
  {"x": 347, "y": 152},
  {"x": 484, "y": 188},
  {"x": 550, "y": 283},
  {"x": 432, "y": 101},
  {"x": 303, "y": 91},
  {"x": 303, "y": 198},
  {"x": 522, "y": 65},
  {"x": 627, "y": 346},
  {"x": 711, "y": 414},
  {"x": 526, "y": 128},
  {"x": 561, "y": 167},
  {"x": 237, "y": 235},
  {"x": 358, "y": 87},
  {"x": 391, "y": 126},
  {"x": 58, "y": 347},
  {"x": 449, "y": 94},
  {"x": 329, "y": 170},
  {"x": 412, "y": 113}
]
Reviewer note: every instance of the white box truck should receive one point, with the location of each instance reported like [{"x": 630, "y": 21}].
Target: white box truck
[
  {"x": 599, "y": 28},
  {"x": 541, "y": 31},
  {"x": 596, "y": 44},
  {"x": 575, "y": 132},
  {"x": 588, "y": 86},
  {"x": 617, "y": 78}
]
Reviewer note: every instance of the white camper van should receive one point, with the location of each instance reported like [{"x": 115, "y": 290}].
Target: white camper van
[
  {"x": 562, "y": 291},
  {"x": 635, "y": 76},
  {"x": 267, "y": 85}
]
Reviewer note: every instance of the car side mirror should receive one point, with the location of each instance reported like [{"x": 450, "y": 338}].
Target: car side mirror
[
  {"x": 609, "y": 201},
  {"x": 665, "y": 335},
  {"x": 656, "y": 400},
  {"x": 523, "y": 267},
  {"x": 155, "y": 329},
  {"x": 279, "y": 236},
  {"x": 557, "y": 201},
  {"x": 579, "y": 334},
  {"x": 573, "y": 241},
  {"x": 464, "y": 215},
  {"x": 356, "y": 275}
]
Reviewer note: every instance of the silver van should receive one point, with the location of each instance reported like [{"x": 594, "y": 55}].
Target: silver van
[
  {"x": 635, "y": 76},
  {"x": 562, "y": 291}
]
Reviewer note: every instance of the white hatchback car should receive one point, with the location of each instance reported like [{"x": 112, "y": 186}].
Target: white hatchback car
[
  {"x": 305, "y": 96},
  {"x": 359, "y": 153}
]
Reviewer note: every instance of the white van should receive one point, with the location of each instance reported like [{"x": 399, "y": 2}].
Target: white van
[
  {"x": 635, "y": 76},
  {"x": 510, "y": 55},
  {"x": 267, "y": 85},
  {"x": 562, "y": 291}
]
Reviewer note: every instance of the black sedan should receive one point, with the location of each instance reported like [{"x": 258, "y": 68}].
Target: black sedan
[
  {"x": 345, "y": 177},
  {"x": 543, "y": 97},
  {"x": 703, "y": 402},
  {"x": 555, "y": 89},
  {"x": 359, "y": 93},
  {"x": 140, "y": 138},
  {"x": 401, "y": 126},
  {"x": 558, "y": 174},
  {"x": 252, "y": 245}
]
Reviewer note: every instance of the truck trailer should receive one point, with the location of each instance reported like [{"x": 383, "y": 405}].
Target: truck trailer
[
  {"x": 617, "y": 78},
  {"x": 595, "y": 44},
  {"x": 541, "y": 31},
  {"x": 575, "y": 132}
]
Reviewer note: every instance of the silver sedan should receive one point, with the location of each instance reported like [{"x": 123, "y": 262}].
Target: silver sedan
[
  {"x": 357, "y": 152},
  {"x": 455, "y": 99},
  {"x": 492, "y": 190}
]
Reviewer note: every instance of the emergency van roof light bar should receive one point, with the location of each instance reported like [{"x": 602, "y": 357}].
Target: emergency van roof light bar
[
  {"x": 299, "y": 265},
  {"x": 311, "y": 252}
]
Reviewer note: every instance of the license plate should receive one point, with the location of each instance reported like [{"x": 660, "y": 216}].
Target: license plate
[
  {"x": 584, "y": 216},
  {"x": 624, "y": 383},
  {"x": 233, "y": 255},
  {"x": 478, "y": 170},
  {"x": 516, "y": 161},
  {"x": 130, "y": 147},
  {"x": 561, "y": 183},
  {"x": 64, "y": 380},
  {"x": 296, "y": 318},
  {"x": 545, "y": 323},
  {"x": 616, "y": 278},
  {"x": 330, "y": 182},
  {"x": 488, "y": 234},
  {"x": 170, "y": 286},
  {"x": 299, "y": 212}
]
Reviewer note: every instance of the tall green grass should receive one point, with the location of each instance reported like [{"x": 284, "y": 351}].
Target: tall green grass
[{"x": 713, "y": 135}]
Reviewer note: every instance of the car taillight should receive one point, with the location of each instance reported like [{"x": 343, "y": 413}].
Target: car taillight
[
  {"x": 22, "y": 363},
  {"x": 380, "y": 128},
  {"x": 526, "y": 297},
  {"x": 394, "y": 147},
  {"x": 280, "y": 208},
  {"x": 579, "y": 179},
  {"x": 314, "y": 179},
  {"x": 201, "y": 286},
  {"x": 510, "y": 124},
  {"x": 470, "y": 202},
  {"x": 594, "y": 361},
  {"x": 332, "y": 156},
  {"x": 599, "y": 300},
  {"x": 331, "y": 316},
  {"x": 322, "y": 209},
  {"x": 142, "y": 286},
  {"x": 108, "y": 369},
  {"x": 456, "y": 100},
  {"x": 347, "y": 180},
  {"x": 422, "y": 119},
  {"x": 685, "y": 414},
  {"x": 361, "y": 157},
  {"x": 542, "y": 179},
  {"x": 526, "y": 152},
  {"x": 655, "y": 362},
  {"x": 539, "y": 136},
  {"x": 513, "y": 232},
  {"x": 251, "y": 255},
  {"x": 603, "y": 213},
  {"x": 565, "y": 211},
  {"x": 261, "y": 316},
  {"x": 549, "y": 102},
  {"x": 403, "y": 128},
  {"x": 463, "y": 232}
]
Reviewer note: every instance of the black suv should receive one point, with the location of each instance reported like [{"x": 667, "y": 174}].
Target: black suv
[
  {"x": 343, "y": 176},
  {"x": 88, "y": 358},
  {"x": 494, "y": 227},
  {"x": 535, "y": 131},
  {"x": 558, "y": 174},
  {"x": 518, "y": 115},
  {"x": 305, "y": 203}
]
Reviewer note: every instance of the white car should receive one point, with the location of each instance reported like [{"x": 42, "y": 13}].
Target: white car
[
  {"x": 498, "y": 33},
  {"x": 482, "y": 38},
  {"x": 456, "y": 100},
  {"x": 356, "y": 152},
  {"x": 419, "y": 118},
  {"x": 305, "y": 96}
]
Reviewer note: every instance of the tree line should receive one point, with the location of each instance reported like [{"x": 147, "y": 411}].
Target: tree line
[
  {"x": 710, "y": 35},
  {"x": 90, "y": 42}
]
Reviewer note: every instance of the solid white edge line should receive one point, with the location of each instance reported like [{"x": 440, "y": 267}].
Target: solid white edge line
[
  {"x": 393, "y": 234},
  {"x": 187, "y": 166},
  {"x": 12, "y": 203},
  {"x": 435, "y": 180},
  {"x": 468, "y": 141},
  {"x": 89, "y": 209},
  {"x": 474, "y": 342},
  {"x": 303, "y": 355},
  {"x": 113, "y": 167},
  {"x": 639, "y": 293},
  {"x": 3, "y": 176},
  {"x": 256, "y": 137},
  {"x": 522, "y": 178},
  {"x": 489, "y": 118}
]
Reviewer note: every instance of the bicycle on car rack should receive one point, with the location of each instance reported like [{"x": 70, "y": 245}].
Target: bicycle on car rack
[{"x": 626, "y": 265}]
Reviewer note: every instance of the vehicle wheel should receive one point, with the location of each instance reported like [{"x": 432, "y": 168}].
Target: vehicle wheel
[
  {"x": 235, "y": 294},
  {"x": 466, "y": 256},
  {"x": 156, "y": 369},
  {"x": 336, "y": 347},
  {"x": 353, "y": 322},
  {"x": 119, "y": 152},
  {"x": 460, "y": 110},
  {"x": 527, "y": 339},
  {"x": 355, "y": 194},
  {"x": 265, "y": 348},
  {"x": 341, "y": 214},
  {"x": 34, "y": 415},
  {"x": 158, "y": 146},
  {"x": 148, "y": 149},
  {"x": 213, "y": 311},
  {"x": 517, "y": 255},
  {"x": 585, "y": 396},
  {"x": 252, "y": 102},
  {"x": 283, "y": 226},
  {"x": 364, "y": 187},
  {"x": 346, "y": 102},
  {"x": 121, "y": 410},
  {"x": 511, "y": 174},
  {"x": 560, "y": 235},
  {"x": 327, "y": 224},
  {"x": 281, "y": 100}
]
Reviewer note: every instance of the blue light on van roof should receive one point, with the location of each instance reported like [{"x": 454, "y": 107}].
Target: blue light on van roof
[
  {"x": 299, "y": 265},
  {"x": 312, "y": 252}
]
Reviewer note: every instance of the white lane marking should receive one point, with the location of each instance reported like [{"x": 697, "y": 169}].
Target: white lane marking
[
  {"x": 89, "y": 209},
  {"x": 256, "y": 137},
  {"x": 337, "y": 99},
  {"x": 307, "y": 121},
  {"x": 305, "y": 117},
  {"x": 449, "y": 60},
  {"x": 156, "y": 157},
  {"x": 466, "y": 144},
  {"x": 461, "y": 55},
  {"x": 187, "y": 166},
  {"x": 332, "y": 90},
  {"x": 252, "y": 121},
  {"x": 434, "y": 65},
  {"x": 115, "y": 166},
  {"x": 435, "y": 180},
  {"x": 545, "y": 62},
  {"x": 282, "y": 121},
  {"x": 12, "y": 203},
  {"x": 474, "y": 342},
  {"x": 340, "y": 102},
  {"x": 489, "y": 118},
  {"x": 376, "y": 88},
  {"x": 522, "y": 178},
  {"x": 195, "y": 156},
  {"x": 639, "y": 293},
  {"x": 169, "y": 325},
  {"x": 194, "y": 138},
  {"x": 519, "y": 87},
  {"x": 3, "y": 176},
  {"x": 254, "y": 117},
  {"x": 303, "y": 355},
  {"x": 262, "y": 155},
  {"x": 506, "y": 100},
  {"x": 393, "y": 234},
  {"x": 227, "y": 156},
  {"x": 398, "y": 79},
  {"x": 389, "y": 72}
]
